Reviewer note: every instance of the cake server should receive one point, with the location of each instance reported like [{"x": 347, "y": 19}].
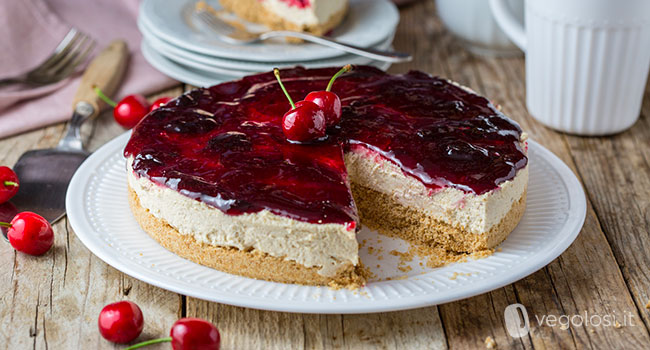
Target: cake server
[{"x": 44, "y": 174}]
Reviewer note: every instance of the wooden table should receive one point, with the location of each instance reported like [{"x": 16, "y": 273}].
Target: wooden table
[{"x": 52, "y": 302}]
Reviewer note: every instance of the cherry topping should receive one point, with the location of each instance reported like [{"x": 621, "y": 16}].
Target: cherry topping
[
  {"x": 328, "y": 101},
  {"x": 188, "y": 334},
  {"x": 8, "y": 184},
  {"x": 120, "y": 322},
  {"x": 231, "y": 141},
  {"x": 30, "y": 233},
  {"x": 159, "y": 102},
  {"x": 129, "y": 111},
  {"x": 305, "y": 121},
  {"x": 411, "y": 120},
  {"x": 185, "y": 122}
]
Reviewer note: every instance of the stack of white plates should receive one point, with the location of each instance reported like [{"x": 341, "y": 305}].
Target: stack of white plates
[{"x": 179, "y": 45}]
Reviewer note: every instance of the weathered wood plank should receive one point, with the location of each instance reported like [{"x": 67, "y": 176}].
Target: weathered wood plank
[
  {"x": 243, "y": 328},
  {"x": 616, "y": 173},
  {"x": 411, "y": 329},
  {"x": 572, "y": 284}
]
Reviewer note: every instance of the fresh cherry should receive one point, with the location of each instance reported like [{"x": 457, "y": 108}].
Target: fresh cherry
[
  {"x": 120, "y": 322},
  {"x": 30, "y": 233},
  {"x": 328, "y": 101},
  {"x": 159, "y": 102},
  {"x": 188, "y": 334},
  {"x": 195, "y": 334},
  {"x": 8, "y": 184},
  {"x": 305, "y": 121},
  {"x": 129, "y": 111}
]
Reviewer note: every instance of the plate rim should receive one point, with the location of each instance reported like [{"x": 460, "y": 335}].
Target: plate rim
[
  {"x": 572, "y": 227},
  {"x": 180, "y": 72},
  {"x": 315, "y": 55}
]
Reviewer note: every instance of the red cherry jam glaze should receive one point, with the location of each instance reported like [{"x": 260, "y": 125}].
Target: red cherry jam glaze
[
  {"x": 298, "y": 3},
  {"x": 224, "y": 145}
]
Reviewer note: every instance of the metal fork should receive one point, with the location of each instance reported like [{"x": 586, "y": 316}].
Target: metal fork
[
  {"x": 233, "y": 35},
  {"x": 67, "y": 56}
]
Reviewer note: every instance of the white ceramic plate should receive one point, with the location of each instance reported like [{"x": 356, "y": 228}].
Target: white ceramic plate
[
  {"x": 222, "y": 65},
  {"x": 100, "y": 216},
  {"x": 198, "y": 77},
  {"x": 367, "y": 24}
]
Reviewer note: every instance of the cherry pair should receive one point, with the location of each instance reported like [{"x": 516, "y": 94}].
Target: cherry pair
[
  {"x": 122, "y": 322},
  {"x": 309, "y": 119},
  {"x": 28, "y": 232},
  {"x": 131, "y": 109}
]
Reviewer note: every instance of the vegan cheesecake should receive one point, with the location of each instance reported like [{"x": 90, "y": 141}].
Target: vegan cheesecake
[
  {"x": 213, "y": 178},
  {"x": 314, "y": 16}
]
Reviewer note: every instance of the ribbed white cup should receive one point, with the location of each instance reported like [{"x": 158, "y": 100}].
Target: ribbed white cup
[{"x": 587, "y": 61}]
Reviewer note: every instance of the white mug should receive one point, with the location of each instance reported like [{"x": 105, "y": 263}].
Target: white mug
[
  {"x": 472, "y": 22},
  {"x": 587, "y": 61}
]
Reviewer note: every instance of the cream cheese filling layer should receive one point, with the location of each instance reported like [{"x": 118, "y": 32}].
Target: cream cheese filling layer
[
  {"x": 325, "y": 246},
  {"x": 474, "y": 213},
  {"x": 318, "y": 12}
]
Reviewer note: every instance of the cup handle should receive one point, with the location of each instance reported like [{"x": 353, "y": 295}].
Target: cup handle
[{"x": 508, "y": 23}]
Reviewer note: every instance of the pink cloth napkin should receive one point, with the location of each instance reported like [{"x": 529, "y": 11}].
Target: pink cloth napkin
[{"x": 31, "y": 29}]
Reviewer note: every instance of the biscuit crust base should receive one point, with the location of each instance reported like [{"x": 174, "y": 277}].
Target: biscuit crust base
[
  {"x": 253, "y": 264},
  {"x": 381, "y": 212},
  {"x": 254, "y": 11},
  {"x": 378, "y": 211}
]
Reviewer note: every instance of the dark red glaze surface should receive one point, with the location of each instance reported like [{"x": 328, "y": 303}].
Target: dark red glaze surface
[{"x": 224, "y": 145}]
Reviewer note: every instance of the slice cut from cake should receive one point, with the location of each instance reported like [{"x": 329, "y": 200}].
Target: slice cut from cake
[
  {"x": 212, "y": 177},
  {"x": 313, "y": 16}
]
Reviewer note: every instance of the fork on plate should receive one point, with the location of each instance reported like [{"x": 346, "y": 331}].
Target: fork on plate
[
  {"x": 67, "y": 56},
  {"x": 233, "y": 35}
]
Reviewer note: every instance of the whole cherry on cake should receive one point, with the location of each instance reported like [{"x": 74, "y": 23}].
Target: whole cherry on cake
[
  {"x": 305, "y": 121},
  {"x": 8, "y": 184},
  {"x": 329, "y": 102},
  {"x": 30, "y": 233}
]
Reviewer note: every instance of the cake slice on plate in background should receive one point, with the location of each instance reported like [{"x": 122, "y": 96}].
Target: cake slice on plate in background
[{"x": 314, "y": 16}]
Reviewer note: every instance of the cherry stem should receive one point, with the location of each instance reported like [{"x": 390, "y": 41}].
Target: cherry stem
[
  {"x": 149, "y": 342},
  {"x": 10, "y": 183},
  {"x": 5, "y": 224},
  {"x": 347, "y": 68},
  {"x": 286, "y": 93},
  {"x": 104, "y": 98}
]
